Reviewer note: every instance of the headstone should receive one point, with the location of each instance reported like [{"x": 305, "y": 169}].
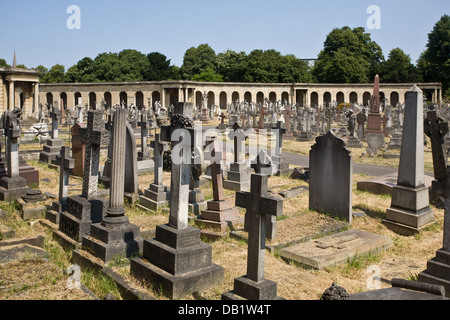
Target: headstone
[
  {"x": 254, "y": 286},
  {"x": 157, "y": 195},
  {"x": 66, "y": 164},
  {"x": 115, "y": 236},
  {"x": 287, "y": 115},
  {"x": 410, "y": 211},
  {"x": 361, "y": 119},
  {"x": 176, "y": 260},
  {"x": 131, "y": 185},
  {"x": 330, "y": 182},
  {"x": 374, "y": 134},
  {"x": 88, "y": 208},
  {"x": 12, "y": 185},
  {"x": 197, "y": 201},
  {"x": 220, "y": 214},
  {"x": 78, "y": 149},
  {"x": 238, "y": 177},
  {"x": 335, "y": 249},
  {"x": 53, "y": 147}
]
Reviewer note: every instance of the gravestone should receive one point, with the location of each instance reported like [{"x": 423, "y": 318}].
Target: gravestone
[
  {"x": 12, "y": 186},
  {"x": 374, "y": 134},
  {"x": 254, "y": 286},
  {"x": 361, "y": 119},
  {"x": 288, "y": 112},
  {"x": 157, "y": 195},
  {"x": 330, "y": 177},
  {"x": 131, "y": 185},
  {"x": 53, "y": 147},
  {"x": 115, "y": 236},
  {"x": 410, "y": 211},
  {"x": 176, "y": 261},
  {"x": 66, "y": 164},
  {"x": 87, "y": 208},
  {"x": 144, "y": 162},
  {"x": 238, "y": 177},
  {"x": 220, "y": 214},
  {"x": 78, "y": 149},
  {"x": 279, "y": 161},
  {"x": 335, "y": 249},
  {"x": 197, "y": 201}
]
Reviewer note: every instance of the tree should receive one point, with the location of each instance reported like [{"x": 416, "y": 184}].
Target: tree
[
  {"x": 349, "y": 55},
  {"x": 398, "y": 68},
  {"x": 209, "y": 75},
  {"x": 54, "y": 75},
  {"x": 197, "y": 60},
  {"x": 3, "y": 63},
  {"x": 81, "y": 72},
  {"x": 133, "y": 64},
  {"x": 434, "y": 63},
  {"x": 232, "y": 65},
  {"x": 159, "y": 68}
]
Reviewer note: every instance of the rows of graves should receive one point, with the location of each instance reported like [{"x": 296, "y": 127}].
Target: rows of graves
[{"x": 176, "y": 259}]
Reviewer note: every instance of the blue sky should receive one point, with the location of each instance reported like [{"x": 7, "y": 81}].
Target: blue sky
[{"x": 37, "y": 29}]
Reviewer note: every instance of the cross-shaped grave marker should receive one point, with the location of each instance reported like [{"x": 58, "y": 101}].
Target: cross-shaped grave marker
[
  {"x": 262, "y": 112},
  {"x": 66, "y": 164},
  {"x": 238, "y": 136},
  {"x": 288, "y": 112}
]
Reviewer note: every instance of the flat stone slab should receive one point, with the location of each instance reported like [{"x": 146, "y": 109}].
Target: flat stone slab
[
  {"x": 20, "y": 252},
  {"x": 335, "y": 249},
  {"x": 384, "y": 184}
]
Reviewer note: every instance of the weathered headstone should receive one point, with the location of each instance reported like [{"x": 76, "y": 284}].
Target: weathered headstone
[
  {"x": 410, "y": 211},
  {"x": 330, "y": 182},
  {"x": 78, "y": 149},
  {"x": 115, "y": 236},
  {"x": 12, "y": 185},
  {"x": 238, "y": 177},
  {"x": 176, "y": 260},
  {"x": 374, "y": 134},
  {"x": 66, "y": 164},
  {"x": 156, "y": 196},
  {"x": 53, "y": 147},
  {"x": 254, "y": 286},
  {"x": 279, "y": 161},
  {"x": 131, "y": 185},
  {"x": 144, "y": 162}
]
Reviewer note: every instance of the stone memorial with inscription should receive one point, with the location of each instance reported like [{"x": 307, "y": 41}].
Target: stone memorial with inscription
[
  {"x": 330, "y": 177},
  {"x": 53, "y": 147},
  {"x": 238, "y": 177},
  {"x": 410, "y": 211},
  {"x": 254, "y": 285}
]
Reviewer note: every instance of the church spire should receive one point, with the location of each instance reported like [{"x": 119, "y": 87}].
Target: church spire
[{"x": 15, "y": 60}]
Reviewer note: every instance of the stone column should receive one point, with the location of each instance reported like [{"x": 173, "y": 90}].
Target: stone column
[
  {"x": 115, "y": 214},
  {"x": 11, "y": 96},
  {"x": 36, "y": 97}
]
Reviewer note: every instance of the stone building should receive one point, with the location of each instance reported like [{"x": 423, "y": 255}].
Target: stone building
[{"x": 223, "y": 93}]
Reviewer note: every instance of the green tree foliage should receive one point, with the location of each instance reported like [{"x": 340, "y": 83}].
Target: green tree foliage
[
  {"x": 349, "y": 55},
  {"x": 197, "y": 60},
  {"x": 159, "y": 68},
  {"x": 209, "y": 75},
  {"x": 54, "y": 75},
  {"x": 399, "y": 69},
  {"x": 3, "y": 63},
  {"x": 81, "y": 72},
  {"x": 434, "y": 62}
]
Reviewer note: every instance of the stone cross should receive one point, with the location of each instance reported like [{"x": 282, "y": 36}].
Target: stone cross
[
  {"x": 258, "y": 205},
  {"x": 144, "y": 134},
  {"x": 12, "y": 131},
  {"x": 375, "y": 105},
  {"x": 66, "y": 164},
  {"x": 279, "y": 139},
  {"x": 94, "y": 135},
  {"x": 216, "y": 175},
  {"x": 55, "y": 114},
  {"x": 243, "y": 117},
  {"x": 329, "y": 115},
  {"x": 158, "y": 152},
  {"x": 222, "y": 118},
  {"x": 287, "y": 117},
  {"x": 115, "y": 214},
  {"x": 436, "y": 129},
  {"x": 262, "y": 112},
  {"x": 263, "y": 164},
  {"x": 238, "y": 136}
]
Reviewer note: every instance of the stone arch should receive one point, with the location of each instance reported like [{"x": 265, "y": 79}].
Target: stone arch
[
  {"x": 260, "y": 98},
  {"x": 156, "y": 96},
  {"x": 21, "y": 98},
  {"x": 314, "y": 98},
  {"x": 92, "y": 99},
  {"x": 63, "y": 99},
  {"x": 49, "y": 98},
  {"x": 108, "y": 99},
  {"x": 248, "y": 97},
  {"x": 235, "y": 96},
  {"x": 395, "y": 98},
  {"x": 285, "y": 96},
  {"x": 77, "y": 98},
  {"x": 367, "y": 96},
  {"x": 340, "y": 97},
  {"x": 198, "y": 99},
  {"x": 382, "y": 98},
  {"x": 326, "y": 98},
  {"x": 273, "y": 97},
  {"x": 211, "y": 98},
  {"x": 353, "y": 98},
  {"x": 139, "y": 98},
  {"x": 123, "y": 98},
  {"x": 223, "y": 100}
]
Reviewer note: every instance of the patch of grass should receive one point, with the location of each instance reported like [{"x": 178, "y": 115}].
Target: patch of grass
[{"x": 99, "y": 283}]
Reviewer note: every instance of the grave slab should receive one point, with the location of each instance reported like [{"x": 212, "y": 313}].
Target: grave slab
[
  {"x": 384, "y": 184},
  {"x": 335, "y": 249}
]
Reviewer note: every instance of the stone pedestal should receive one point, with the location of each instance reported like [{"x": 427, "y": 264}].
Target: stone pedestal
[
  {"x": 218, "y": 219},
  {"x": 282, "y": 167},
  {"x": 304, "y": 136},
  {"x": 197, "y": 201},
  {"x": 396, "y": 141},
  {"x": 375, "y": 141},
  {"x": 12, "y": 188},
  {"x": 354, "y": 142},
  {"x": 246, "y": 289},
  {"x": 177, "y": 262},
  {"x": 438, "y": 271},
  {"x": 238, "y": 178},
  {"x": 51, "y": 151},
  {"x": 154, "y": 198}
]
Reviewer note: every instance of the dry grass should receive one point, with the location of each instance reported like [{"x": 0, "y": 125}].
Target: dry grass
[{"x": 405, "y": 259}]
